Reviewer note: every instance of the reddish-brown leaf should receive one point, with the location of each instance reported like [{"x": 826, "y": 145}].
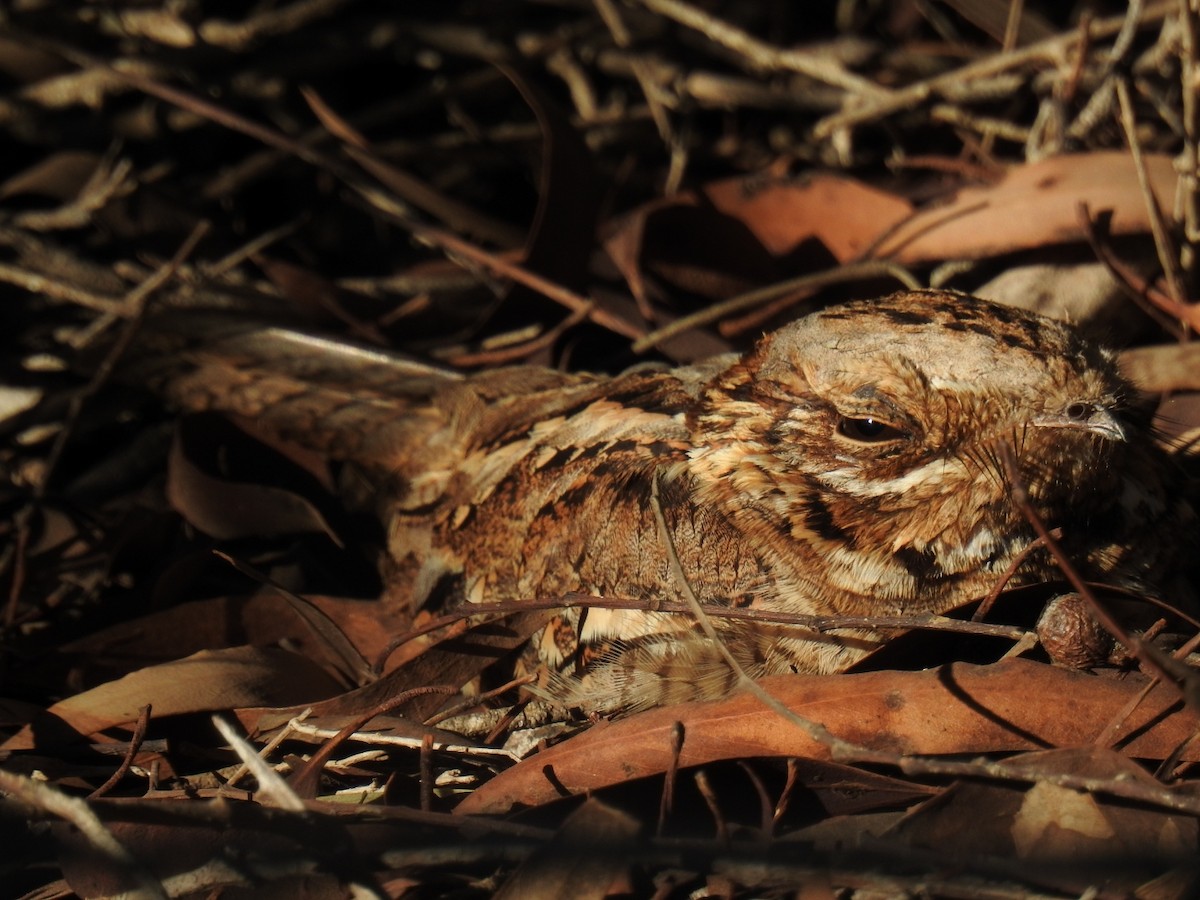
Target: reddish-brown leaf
[
  {"x": 844, "y": 214},
  {"x": 1032, "y": 206},
  {"x": 961, "y": 708}
]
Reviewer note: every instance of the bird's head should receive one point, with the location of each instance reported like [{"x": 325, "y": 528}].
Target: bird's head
[{"x": 874, "y": 432}]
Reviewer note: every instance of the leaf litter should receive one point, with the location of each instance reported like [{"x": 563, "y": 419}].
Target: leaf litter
[{"x": 584, "y": 186}]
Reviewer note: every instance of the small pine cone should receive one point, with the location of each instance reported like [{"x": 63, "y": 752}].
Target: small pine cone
[{"x": 1071, "y": 635}]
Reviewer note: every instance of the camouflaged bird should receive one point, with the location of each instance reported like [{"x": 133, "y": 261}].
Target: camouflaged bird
[{"x": 848, "y": 465}]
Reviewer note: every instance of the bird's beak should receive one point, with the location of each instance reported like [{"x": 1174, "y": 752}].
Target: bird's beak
[{"x": 1097, "y": 420}]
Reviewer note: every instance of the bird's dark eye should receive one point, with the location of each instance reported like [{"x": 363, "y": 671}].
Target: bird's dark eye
[
  {"x": 869, "y": 431},
  {"x": 1080, "y": 412}
]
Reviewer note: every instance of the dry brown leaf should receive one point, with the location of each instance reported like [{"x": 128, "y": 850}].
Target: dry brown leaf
[
  {"x": 848, "y": 790},
  {"x": 1031, "y": 206},
  {"x": 455, "y": 659},
  {"x": 1055, "y": 821},
  {"x": 228, "y": 509},
  {"x": 961, "y": 708},
  {"x": 1047, "y": 823},
  {"x": 690, "y": 245},
  {"x": 263, "y": 619},
  {"x": 733, "y": 236},
  {"x": 209, "y": 681},
  {"x": 589, "y": 853},
  {"x": 844, "y": 214},
  {"x": 624, "y": 247}
]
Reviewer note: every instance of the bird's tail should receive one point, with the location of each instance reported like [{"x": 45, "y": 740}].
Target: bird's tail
[{"x": 334, "y": 397}]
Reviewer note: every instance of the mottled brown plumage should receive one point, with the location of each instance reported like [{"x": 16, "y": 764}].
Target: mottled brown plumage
[{"x": 849, "y": 464}]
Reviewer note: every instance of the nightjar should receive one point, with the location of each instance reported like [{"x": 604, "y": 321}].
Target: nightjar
[{"x": 849, "y": 464}]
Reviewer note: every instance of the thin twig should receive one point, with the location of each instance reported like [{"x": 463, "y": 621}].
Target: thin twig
[
  {"x": 766, "y": 820},
  {"x": 304, "y": 780},
  {"x": 1012, "y": 27},
  {"x": 913, "y": 95},
  {"x": 54, "y": 289},
  {"x": 523, "y": 350},
  {"x": 480, "y": 699},
  {"x": 275, "y": 19},
  {"x": 985, "y": 606},
  {"x": 425, "y": 771},
  {"x": 710, "y": 800},
  {"x": 761, "y": 55},
  {"x": 271, "y": 785},
  {"x": 1167, "y": 257},
  {"x": 805, "y": 283},
  {"x": 270, "y": 746},
  {"x": 135, "y": 744},
  {"x": 1155, "y": 304},
  {"x": 642, "y": 71},
  {"x": 456, "y": 246},
  {"x": 134, "y": 308}
]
